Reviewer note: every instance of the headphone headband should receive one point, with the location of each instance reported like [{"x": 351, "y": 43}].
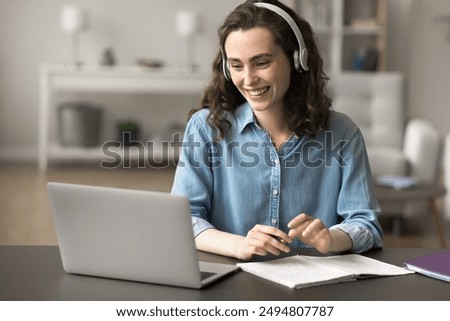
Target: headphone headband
[{"x": 300, "y": 55}]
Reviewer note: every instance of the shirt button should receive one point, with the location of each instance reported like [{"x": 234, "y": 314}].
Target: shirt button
[
  {"x": 274, "y": 221},
  {"x": 276, "y": 161},
  {"x": 275, "y": 192}
]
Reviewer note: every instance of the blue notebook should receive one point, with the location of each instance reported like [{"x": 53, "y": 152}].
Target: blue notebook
[
  {"x": 397, "y": 182},
  {"x": 433, "y": 265}
]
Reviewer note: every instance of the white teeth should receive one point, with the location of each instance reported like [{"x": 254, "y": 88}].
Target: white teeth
[{"x": 258, "y": 92}]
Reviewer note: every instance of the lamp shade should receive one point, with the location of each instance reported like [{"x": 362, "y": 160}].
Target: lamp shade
[
  {"x": 71, "y": 19},
  {"x": 186, "y": 23}
]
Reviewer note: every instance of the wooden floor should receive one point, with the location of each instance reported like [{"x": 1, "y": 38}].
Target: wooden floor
[{"x": 25, "y": 217}]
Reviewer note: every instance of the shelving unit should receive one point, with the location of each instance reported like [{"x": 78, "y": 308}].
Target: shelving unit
[
  {"x": 345, "y": 28},
  {"x": 94, "y": 79}
]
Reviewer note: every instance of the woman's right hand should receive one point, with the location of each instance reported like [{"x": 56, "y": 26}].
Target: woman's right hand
[{"x": 263, "y": 240}]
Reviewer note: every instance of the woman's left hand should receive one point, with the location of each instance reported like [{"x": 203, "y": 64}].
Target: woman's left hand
[{"x": 311, "y": 231}]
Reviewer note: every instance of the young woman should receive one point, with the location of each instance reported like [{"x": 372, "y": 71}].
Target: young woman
[{"x": 266, "y": 164}]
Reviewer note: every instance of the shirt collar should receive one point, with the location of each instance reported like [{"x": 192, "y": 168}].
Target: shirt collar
[{"x": 244, "y": 116}]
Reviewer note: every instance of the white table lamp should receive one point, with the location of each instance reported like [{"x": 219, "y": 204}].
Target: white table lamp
[
  {"x": 187, "y": 26},
  {"x": 73, "y": 22}
]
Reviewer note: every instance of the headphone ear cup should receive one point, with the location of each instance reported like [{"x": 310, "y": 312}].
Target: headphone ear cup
[
  {"x": 301, "y": 60},
  {"x": 226, "y": 70},
  {"x": 304, "y": 59},
  {"x": 297, "y": 62}
]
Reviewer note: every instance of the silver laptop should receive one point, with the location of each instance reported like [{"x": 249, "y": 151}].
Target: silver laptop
[{"x": 129, "y": 234}]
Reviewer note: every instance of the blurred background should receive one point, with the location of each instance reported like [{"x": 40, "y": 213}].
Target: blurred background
[{"x": 109, "y": 67}]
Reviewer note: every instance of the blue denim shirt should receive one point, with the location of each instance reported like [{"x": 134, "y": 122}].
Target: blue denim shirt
[{"x": 242, "y": 180}]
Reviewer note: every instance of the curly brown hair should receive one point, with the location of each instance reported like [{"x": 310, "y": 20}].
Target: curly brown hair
[{"x": 306, "y": 103}]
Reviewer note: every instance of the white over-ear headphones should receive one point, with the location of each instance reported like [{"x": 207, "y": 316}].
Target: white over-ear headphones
[{"x": 300, "y": 55}]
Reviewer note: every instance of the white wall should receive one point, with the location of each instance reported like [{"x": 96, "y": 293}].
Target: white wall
[
  {"x": 30, "y": 35},
  {"x": 428, "y": 63},
  {"x": 419, "y": 46}
]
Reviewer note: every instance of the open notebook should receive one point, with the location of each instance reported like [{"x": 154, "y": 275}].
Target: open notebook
[{"x": 304, "y": 271}]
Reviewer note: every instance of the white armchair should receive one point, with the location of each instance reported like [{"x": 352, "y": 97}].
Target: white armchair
[{"x": 374, "y": 101}]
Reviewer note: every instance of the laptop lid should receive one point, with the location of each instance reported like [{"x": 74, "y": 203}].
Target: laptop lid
[{"x": 128, "y": 234}]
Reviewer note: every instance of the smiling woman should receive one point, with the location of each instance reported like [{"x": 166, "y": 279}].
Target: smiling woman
[
  {"x": 267, "y": 102},
  {"x": 261, "y": 72}
]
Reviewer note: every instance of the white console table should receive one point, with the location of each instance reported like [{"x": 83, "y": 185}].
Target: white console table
[{"x": 132, "y": 79}]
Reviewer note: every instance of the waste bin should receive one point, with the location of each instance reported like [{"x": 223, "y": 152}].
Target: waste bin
[{"x": 79, "y": 124}]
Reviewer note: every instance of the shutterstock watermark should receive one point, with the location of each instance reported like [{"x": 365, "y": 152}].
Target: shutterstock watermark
[{"x": 159, "y": 154}]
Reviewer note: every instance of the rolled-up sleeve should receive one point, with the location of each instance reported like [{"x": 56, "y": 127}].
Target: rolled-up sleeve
[
  {"x": 192, "y": 178},
  {"x": 357, "y": 204}
]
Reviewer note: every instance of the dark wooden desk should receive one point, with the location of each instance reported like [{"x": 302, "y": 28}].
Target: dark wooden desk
[
  {"x": 35, "y": 273},
  {"x": 428, "y": 192}
]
